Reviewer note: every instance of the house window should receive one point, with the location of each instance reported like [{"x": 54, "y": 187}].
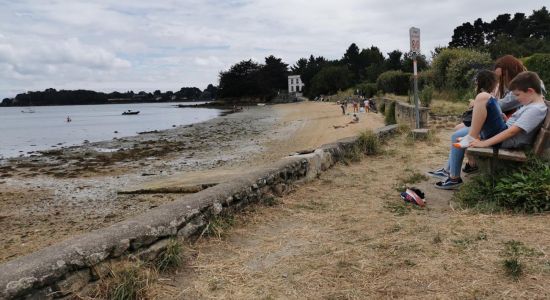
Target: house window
[
  {"x": 291, "y": 80},
  {"x": 292, "y": 89}
]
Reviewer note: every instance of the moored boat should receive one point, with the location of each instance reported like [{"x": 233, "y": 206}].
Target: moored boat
[{"x": 130, "y": 112}]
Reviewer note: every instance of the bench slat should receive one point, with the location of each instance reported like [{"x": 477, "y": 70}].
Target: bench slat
[{"x": 504, "y": 154}]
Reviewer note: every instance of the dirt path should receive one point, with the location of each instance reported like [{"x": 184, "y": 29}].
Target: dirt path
[
  {"x": 45, "y": 199},
  {"x": 347, "y": 235}
]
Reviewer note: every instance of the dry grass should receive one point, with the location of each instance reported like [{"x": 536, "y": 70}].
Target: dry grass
[
  {"x": 442, "y": 107},
  {"x": 127, "y": 280},
  {"x": 349, "y": 236},
  {"x": 441, "y": 104}
]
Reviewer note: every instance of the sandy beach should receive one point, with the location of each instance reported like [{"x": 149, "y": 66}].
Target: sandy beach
[{"x": 64, "y": 192}]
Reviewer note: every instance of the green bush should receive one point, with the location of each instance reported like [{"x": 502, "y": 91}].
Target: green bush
[
  {"x": 367, "y": 89},
  {"x": 540, "y": 63},
  {"x": 454, "y": 68},
  {"x": 462, "y": 70},
  {"x": 389, "y": 114},
  {"x": 441, "y": 63},
  {"x": 382, "y": 107},
  {"x": 369, "y": 143},
  {"x": 397, "y": 82},
  {"x": 425, "y": 78},
  {"x": 426, "y": 95},
  {"x": 524, "y": 190}
]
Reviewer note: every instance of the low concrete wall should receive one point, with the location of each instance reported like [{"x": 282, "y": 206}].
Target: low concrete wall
[
  {"x": 404, "y": 113},
  {"x": 67, "y": 267}
]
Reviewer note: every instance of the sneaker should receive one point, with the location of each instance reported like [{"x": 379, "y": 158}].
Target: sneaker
[
  {"x": 469, "y": 169},
  {"x": 449, "y": 184},
  {"x": 413, "y": 197},
  {"x": 464, "y": 142},
  {"x": 440, "y": 173}
]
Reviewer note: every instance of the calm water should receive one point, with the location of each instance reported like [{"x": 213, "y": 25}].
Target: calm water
[{"x": 24, "y": 132}]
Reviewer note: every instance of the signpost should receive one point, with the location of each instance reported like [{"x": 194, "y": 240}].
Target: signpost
[{"x": 414, "y": 35}]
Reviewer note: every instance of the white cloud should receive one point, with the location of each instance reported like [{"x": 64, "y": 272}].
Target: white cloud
[{"x": 208, "y": 61}]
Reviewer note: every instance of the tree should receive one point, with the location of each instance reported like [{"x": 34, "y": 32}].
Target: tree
[
  {"x": 274, "y": 75},
  {"x": 421, "y": 62},
  {"x": 248, "y": 79},
  {"x": 241, "y": 80},
  {"x": 539, "y": 24},
  {"x": 373, "y": 63},
  {"x": 352, "y": 59},
  {"x": 299, "y": 67},
  {"x": 210, "y": 92},
  {"x": 468, "y": 35},
  {"x": 394, "y": 60},
  {"x": 330, "y": 80},
  {"x": 314, "y": 65}
]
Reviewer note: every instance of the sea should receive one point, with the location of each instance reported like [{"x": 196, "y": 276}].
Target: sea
[{"x": 47, "y": 128}]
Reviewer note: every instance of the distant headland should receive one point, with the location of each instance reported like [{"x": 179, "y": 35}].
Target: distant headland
[{"x": 81, "y": 97}]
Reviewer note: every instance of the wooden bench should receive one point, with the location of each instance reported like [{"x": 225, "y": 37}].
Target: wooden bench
[{"x": 489, "y": 159}]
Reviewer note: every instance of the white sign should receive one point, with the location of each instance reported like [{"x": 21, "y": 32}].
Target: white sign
[{"x": 414, "y": 34}]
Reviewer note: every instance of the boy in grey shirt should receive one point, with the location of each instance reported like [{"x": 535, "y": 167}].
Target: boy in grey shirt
[
  {"x": 518, "y": 131},
  {"x": 523, "y": 124}
]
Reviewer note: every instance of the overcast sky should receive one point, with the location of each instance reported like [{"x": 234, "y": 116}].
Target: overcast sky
[{"x": 109, "y": 45}]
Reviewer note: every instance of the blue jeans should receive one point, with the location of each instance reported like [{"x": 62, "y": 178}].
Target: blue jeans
[
  {"x": 456, "y": 155},
  {"x": 493, "y": 125}
]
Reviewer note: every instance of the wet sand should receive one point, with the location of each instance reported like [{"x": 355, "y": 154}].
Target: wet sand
[{"x": 64, "y": 192}]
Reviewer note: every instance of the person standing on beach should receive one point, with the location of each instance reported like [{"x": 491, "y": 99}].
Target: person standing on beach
[
  {"x": 343, "y": 107},
  {"x": 367, "y": 107}
]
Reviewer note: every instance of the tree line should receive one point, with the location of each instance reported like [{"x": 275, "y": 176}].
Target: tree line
[
  {"x": 518, "y": 35},
  {"x": 80, "y": 97},
  {"x": 248, "y": 80},
  {"x": 369, "y": 71}
]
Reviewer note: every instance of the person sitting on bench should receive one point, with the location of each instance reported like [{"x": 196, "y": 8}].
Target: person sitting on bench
[{"x": 516, "y": 132}]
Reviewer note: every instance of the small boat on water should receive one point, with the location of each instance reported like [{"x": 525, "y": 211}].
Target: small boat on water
[
  {"x": 28, "y": 111},
  {"x": 130, "y": 112}
]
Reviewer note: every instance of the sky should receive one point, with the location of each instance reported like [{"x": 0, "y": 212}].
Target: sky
[{"x": 144, "y": 45}]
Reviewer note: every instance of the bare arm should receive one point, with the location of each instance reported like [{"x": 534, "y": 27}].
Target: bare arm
[{"x": 499, "y": 138}]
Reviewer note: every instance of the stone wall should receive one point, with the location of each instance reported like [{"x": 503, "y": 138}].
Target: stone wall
[
  {"x": 404, "y": 113},
  {"x": 69, "y": 266}
]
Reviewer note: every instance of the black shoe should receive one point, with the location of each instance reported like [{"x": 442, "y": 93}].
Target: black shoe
[
  {"x": 469, "y": 169},
  {"x": 449, "y": 184}
]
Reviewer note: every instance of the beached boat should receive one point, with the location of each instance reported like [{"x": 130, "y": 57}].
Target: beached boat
[
  {"x": 28, "y": 111},
  {"x": 130, "y": 112}
]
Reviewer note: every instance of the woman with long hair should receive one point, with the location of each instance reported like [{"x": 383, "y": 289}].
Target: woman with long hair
[{"x": 506, "y": 68}]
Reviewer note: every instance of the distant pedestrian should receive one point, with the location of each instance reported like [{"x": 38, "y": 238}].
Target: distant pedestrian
[
  {"x": 367, "y": 105},
  {"x": 343, "y": 107}
]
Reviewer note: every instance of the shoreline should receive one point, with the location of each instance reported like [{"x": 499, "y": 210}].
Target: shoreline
[{"x": 65, "y": 193}]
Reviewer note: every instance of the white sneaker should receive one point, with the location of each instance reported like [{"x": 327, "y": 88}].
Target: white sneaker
[{"x": 464, "y": 142}]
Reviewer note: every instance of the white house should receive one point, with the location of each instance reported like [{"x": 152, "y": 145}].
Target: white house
[{"x": 295, "y": 85}]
